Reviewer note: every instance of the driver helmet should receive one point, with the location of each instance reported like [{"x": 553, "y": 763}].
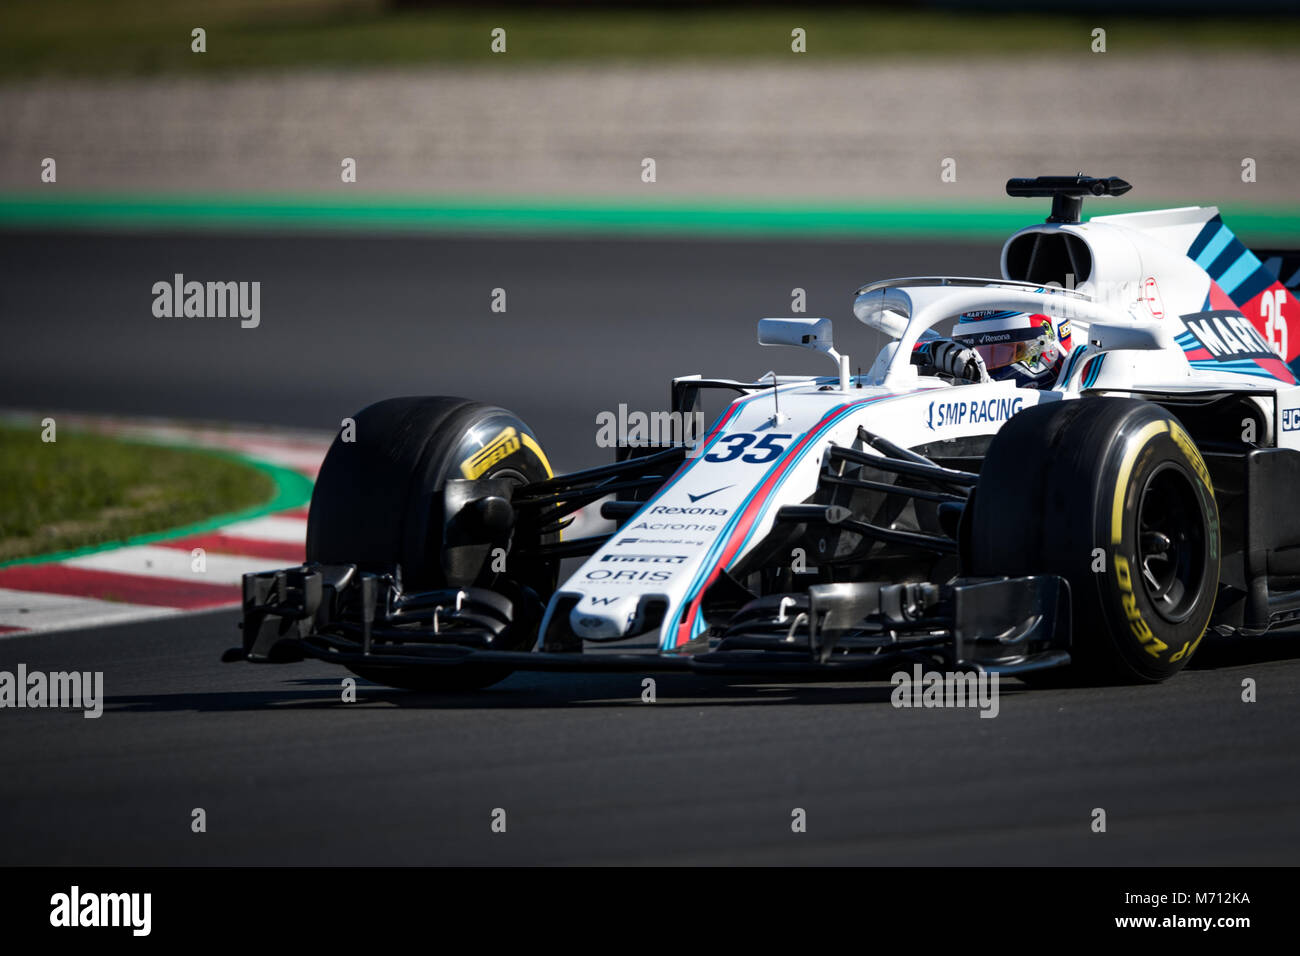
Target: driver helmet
[{"x": 1026, "y": 347}]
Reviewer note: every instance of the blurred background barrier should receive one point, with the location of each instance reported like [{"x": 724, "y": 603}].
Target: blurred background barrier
[{"x": 934, "y": 102}]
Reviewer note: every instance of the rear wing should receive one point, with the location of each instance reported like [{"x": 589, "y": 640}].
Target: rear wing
[
  {"x": 1285, "y": 266},
  {"x": 1263, "y": 286},
  {"x": 1242, "y": 279}
]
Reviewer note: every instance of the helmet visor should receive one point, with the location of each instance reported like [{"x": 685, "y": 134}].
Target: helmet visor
[
  {"x": 1008, "y": 346},
  {"x": 1008, "y": 353}
]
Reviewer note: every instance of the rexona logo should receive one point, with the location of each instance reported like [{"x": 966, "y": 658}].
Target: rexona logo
[
  {"x": 645, "y": 558},
  {"x": 1228, "y": 336},
  {"x": 670, "y": 510},
  {"x": 971, "y": 411}
]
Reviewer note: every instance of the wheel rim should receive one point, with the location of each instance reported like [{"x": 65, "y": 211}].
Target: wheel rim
[{"x": 1171, "y": 542}]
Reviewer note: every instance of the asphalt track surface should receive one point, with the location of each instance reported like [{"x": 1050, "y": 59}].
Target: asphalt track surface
[{"x": 586, "y": 772}]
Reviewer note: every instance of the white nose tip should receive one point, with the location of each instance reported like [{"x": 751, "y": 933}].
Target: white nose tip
[{"x": 595, "y": 621}]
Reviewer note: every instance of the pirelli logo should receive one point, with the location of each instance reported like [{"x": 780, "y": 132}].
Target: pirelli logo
[{"x": 505, "y": 444}]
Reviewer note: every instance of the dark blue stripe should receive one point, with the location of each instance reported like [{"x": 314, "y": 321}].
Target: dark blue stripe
[
  {"x": 1075, "y": 356},
  {"x": 1093, "y": 371},
  {"x": 1203, "y": 238},
  {"x": 1224, "y": 260},
  {"x": 1258, "y": 281}
]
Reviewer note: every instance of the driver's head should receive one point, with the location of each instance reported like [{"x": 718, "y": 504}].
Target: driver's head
[{"x": 1019, "y": 345}]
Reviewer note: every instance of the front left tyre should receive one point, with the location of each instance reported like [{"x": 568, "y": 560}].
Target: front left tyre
[{"x": 378, "y": 504}]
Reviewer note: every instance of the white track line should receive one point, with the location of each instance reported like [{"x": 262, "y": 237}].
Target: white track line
[
  {"x": 304, "y": 460},
  {"x": 33, "y": 611},
  {"x": 148, "y": 561},
  {"x": 270, "y": 528}
]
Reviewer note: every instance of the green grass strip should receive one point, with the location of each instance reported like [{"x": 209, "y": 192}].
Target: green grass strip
[
  {"x": 669, "y": 216},
  {"x": 289, "y": 489}
]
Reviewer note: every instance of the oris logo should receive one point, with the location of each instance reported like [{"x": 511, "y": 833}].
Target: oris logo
[{"x": 602, "y": 574}]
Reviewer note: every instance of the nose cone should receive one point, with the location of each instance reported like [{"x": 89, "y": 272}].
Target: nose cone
[{"x": 594, "y": 620}]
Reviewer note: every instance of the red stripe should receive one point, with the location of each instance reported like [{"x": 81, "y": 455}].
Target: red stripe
[
  {"x": 10, "y": 630},
  {"x": 219, "y": 543},
  {"x": 751, "y": 512},
  {"x": 111, "y": 586},
  {"x": 293, "y": 513},
  {"x": 1220, "y": 299},
  {"x": 1253, "y": 310},
  {"x": 1277, "y": 368}
]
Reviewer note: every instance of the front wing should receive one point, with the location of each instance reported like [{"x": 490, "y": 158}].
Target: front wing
[{"x": 340, "y": 614}]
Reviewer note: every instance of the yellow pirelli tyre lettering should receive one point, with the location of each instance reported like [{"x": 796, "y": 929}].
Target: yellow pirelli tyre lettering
[
  {"x": 1184, "y": 441},
  {"x": 531, "y": 444},
  {"x": 501, "y": 447},
  {"x": 1128, "y": 600},
  {"x": 1144, "y": 435}
]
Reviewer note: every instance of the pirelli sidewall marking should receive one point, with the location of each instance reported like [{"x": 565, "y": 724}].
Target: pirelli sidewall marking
[
  {"x": 505, "y": 443},
  {"x": 1140, "y": 449}
]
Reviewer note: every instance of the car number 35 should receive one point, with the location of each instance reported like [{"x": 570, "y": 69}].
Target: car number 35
[{"x": 765, "y": 448}]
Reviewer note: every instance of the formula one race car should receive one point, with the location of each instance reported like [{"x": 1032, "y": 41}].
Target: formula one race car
[{"x": 1084, "y": 463}]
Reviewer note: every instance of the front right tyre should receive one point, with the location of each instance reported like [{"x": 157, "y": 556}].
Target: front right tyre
[{"x": 1112, "y": 495}]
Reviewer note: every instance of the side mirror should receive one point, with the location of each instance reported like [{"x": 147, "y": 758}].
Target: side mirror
[
  {"x": 1147, "y": 336},
  {"x": 812, "y": 334},
  {"x": 801, "y": 333}
]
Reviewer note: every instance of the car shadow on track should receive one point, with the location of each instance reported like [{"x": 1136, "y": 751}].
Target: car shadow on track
[
  {"x": 1222, "y": 652},
  {"x": 533, "y": 690},
  {"x": 523, "y": 691}
]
